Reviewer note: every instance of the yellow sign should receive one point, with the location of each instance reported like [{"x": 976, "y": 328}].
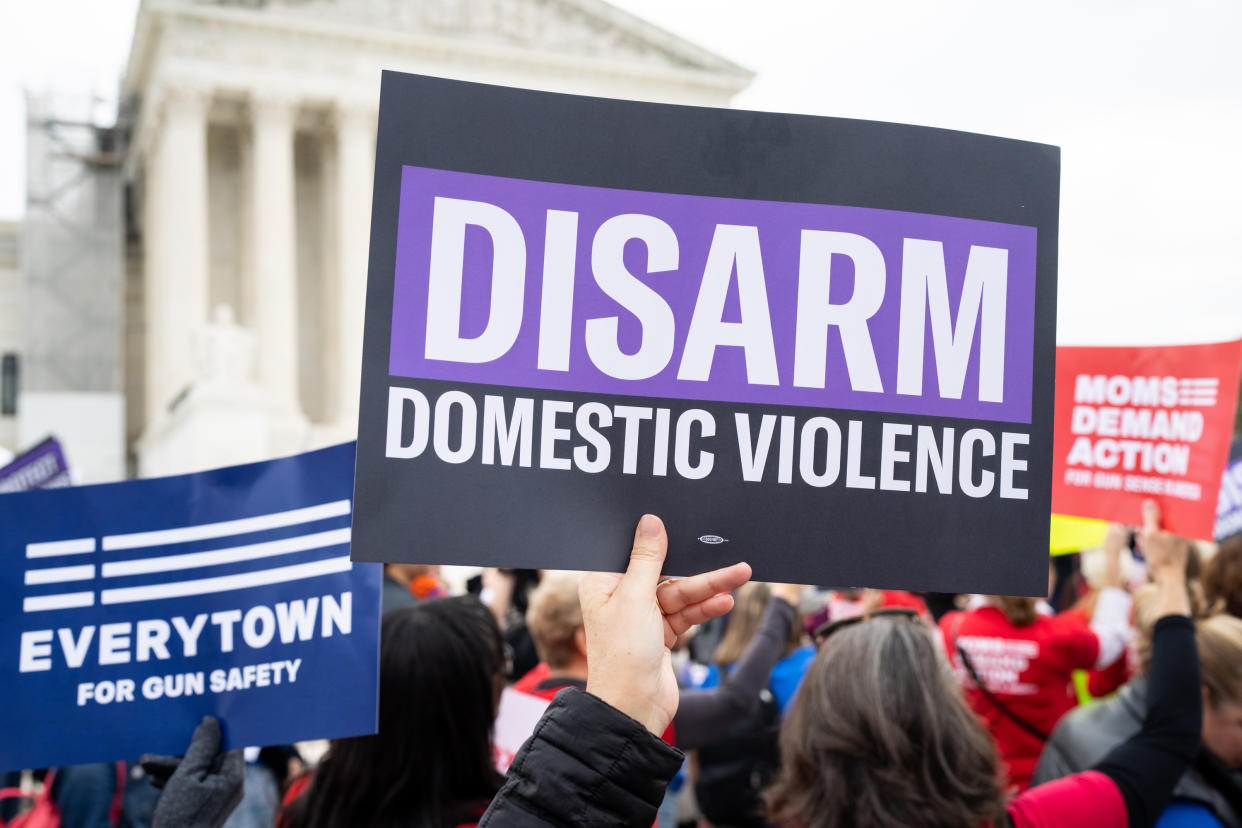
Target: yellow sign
[{"x": 1072, "y": 534}]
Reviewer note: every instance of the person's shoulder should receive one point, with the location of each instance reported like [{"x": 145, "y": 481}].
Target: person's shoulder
[
  {"x": 798, "y": 658},
  {"x": 1069, "y": 621},
  {"x": 1085, "y": 734},
  {"x": 703, "y": 676},
  {"x": 1087, "y": 798},
  {"x": 394, "y": 596},
  {"x": 984, "y": 620},
  {"x": 794, "y": 665},
  {"x": 951, "y": 619},
  {"x": 1188, "y": 815}
]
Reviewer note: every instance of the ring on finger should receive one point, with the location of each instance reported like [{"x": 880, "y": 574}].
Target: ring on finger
[{"x": 663, "y": 583}]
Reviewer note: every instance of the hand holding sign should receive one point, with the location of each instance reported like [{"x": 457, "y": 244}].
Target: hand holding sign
[
  {"x": 1163, "y": 550},
  {"x": 1166, "y": 556},
  {"x": 202, "y": 788},
  {"x": 630, "y": 626}
]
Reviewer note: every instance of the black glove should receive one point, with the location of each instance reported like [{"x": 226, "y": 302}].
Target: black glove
[{"x": 201, "y": 789}]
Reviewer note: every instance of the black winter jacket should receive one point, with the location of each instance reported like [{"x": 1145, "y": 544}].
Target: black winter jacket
[{"x": 587, "y": 764}]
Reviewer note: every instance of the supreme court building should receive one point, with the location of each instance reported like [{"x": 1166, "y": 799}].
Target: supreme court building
[{"x": 250, "y": 169}]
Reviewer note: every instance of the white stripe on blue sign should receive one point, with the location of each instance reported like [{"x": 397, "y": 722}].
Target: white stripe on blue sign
[
  {"x": 224, "y": 583},
  {"x": 68, "y": 600},
  {"x": 60, "y": 574},
  {"x": 161, "y": 537},
  {"x": 254, "y": 551},
  {"x": 50, "y": 549},
  {"x": 190, "y": 560}
]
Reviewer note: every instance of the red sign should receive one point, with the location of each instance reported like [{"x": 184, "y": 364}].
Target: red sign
[{"x": 1138, "y": 423}]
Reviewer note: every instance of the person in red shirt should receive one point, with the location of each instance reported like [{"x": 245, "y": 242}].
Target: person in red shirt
[{"x": 1016, "y": 663}]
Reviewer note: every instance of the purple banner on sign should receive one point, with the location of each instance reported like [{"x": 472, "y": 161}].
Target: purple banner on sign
[
  {"x": 42, "y": 467},
  {"x": 1229, "y": 504},
  {"x": 663, "y": 295}
]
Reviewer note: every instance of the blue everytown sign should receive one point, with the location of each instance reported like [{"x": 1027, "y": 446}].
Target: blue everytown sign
[{"x": 130, "y": 610}]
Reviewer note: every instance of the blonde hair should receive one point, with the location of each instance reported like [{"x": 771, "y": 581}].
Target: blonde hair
[
  {"x": 554, "y": 617},
  {"x": 751, "y": 600},
  {"x": 1219, "y": 639}
]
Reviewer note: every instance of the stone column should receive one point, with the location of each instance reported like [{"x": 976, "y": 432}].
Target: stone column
[
  {"x": 355, "y": 142},
  {"x": 274, "y": 315},
  {"x": 175, "y": 243}
]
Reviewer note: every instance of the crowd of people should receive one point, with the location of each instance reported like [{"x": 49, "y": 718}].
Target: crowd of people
[{"x": 709, "y": 701}]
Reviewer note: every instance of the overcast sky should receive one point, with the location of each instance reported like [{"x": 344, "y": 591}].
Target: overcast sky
[{"x": 1144, "y": 98}]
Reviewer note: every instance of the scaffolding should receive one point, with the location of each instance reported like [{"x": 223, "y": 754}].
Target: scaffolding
[
  {"x": 73, "y": 281},
  {"x": 72, "y": 245}
]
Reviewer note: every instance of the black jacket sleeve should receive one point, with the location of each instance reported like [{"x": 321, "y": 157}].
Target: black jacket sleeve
[
  {"x": 587, "y": 763},
  {"x": 704, "y": 715},
  {"x": 1146, "y": 766}
]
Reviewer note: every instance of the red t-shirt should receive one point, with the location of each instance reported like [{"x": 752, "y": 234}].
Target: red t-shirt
[
  {"x": 1027, "y": 668},
  {"x": 528, "y": 682}
]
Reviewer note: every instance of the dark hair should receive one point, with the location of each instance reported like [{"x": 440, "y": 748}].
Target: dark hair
[
  {"x": 879, "y": 734},
  {"x": 442, "y": 664},
  {"x": 1222, "y": 577}
]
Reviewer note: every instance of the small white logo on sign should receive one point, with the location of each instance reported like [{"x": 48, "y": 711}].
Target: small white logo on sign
[
  {"x": 711, "y": 539},
  {"x": 1199, "y": 391}
]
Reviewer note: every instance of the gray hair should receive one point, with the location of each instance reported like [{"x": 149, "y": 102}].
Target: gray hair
[{"x": 880, "y": 734}]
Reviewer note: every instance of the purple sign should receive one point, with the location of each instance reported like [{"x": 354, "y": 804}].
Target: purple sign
[
  {"x": 1229, "y": 505},
  {"x": 512, "y": 282},
  {"x": 42, "y": 467}
]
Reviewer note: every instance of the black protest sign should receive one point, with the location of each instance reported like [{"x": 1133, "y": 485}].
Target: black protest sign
[{"x": 822, "y": 346}]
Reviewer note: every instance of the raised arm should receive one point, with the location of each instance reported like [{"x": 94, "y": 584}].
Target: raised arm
[
  {"x": 704, "y": 715},
  {"x": 1147, "y": 766},
  {"x": 1133, "y": 783},
  {"x": 1111, "y": 619}
]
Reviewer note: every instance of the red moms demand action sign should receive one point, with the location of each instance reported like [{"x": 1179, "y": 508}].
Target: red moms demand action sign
[{"x": 1137, "y": 423}]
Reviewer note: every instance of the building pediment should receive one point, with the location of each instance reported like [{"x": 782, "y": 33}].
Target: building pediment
[{"x": 586, "y": 28}]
